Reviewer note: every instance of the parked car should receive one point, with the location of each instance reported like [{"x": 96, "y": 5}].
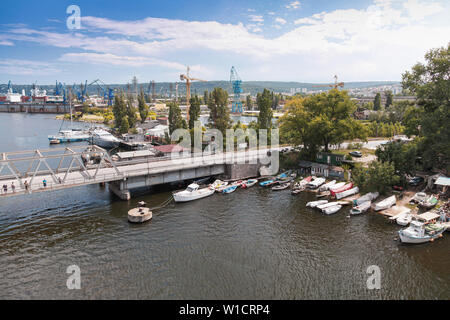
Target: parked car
[
  {"x": 357, "y": 154},
  {"x": 415, "y": 181},
  {"x": 398, "y": 188}
]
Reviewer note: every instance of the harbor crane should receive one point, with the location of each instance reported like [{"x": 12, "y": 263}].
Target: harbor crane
[
  {"x": 189, "y": 81},
  {"x": 334, "y": 86},
  {"x": 236, "y": 106},
  {"x": 108, "y": 94}
]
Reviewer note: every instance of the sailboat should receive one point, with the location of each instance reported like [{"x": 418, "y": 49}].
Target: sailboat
[{"x": 71, "y": 135}]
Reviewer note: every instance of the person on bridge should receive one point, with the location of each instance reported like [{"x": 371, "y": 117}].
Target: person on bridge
[
  {"x": 5, "y": 188},
  {"x": 25, "y": 184},
  {"x": 44, "y": 182},
  {"x": 13, "y": 187}
]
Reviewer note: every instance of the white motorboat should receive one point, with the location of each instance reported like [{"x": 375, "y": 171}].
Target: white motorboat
[
  {"x": 404, "y": 218},
  {"x": 72, "y": 135},
  {"x": 418, "y": 197},
  {"x": 313, "y": 204},
  {"x": 104, "y": 139},
  {"x": 336, "y": 186},
  {"x": 327, "y": 185},
  {"x": 218, "y": 184},
  {"x": 347, "y": 193},
  {"x": 386, "y": 203},
  {"x": 192, "y": 192},
  {"x": 326, "y": 205},
  {"x": 332, "y": 210},
  {"x": 367, "y": 197},
  {"x": 316, "y": 183},
  {"x": 418, "y": 232},
  {"x": 363, "y": 207}
]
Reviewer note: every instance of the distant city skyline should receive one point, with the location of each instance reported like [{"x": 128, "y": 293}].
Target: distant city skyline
[{"x": 301, "y": 41}]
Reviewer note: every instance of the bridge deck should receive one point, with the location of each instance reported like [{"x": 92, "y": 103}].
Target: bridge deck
[{"x": 107, "y": 174}]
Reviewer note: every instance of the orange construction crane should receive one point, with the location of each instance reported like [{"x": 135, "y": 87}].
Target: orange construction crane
[
  {"x": 334, "y": 86},
  {"x": 189, "y": 81}
]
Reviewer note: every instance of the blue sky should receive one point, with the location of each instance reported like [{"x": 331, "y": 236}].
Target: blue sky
[{"x": 305, "y": 41}]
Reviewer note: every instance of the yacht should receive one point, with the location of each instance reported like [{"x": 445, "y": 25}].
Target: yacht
[
  {"x": 104, "y": 139},
  {"x": 72, "y": 135},
  {"x": 192, "y": 192}
]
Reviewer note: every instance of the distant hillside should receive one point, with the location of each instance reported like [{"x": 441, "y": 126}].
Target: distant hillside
[{"x": 163, "y": 88}]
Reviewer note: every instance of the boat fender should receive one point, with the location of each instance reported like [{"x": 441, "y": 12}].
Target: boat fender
[{"x": 431, "y": 240}]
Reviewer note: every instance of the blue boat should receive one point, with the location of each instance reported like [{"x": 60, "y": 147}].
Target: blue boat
[
  {"x": 230, "y": 189},
  {"x": 266, "y": 183}
]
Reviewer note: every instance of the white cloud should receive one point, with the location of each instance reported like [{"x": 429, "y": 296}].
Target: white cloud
[
  {"x": 27, "y": 67},
  {"x": 256, "y": 18},
  {"x": 280, "y": 20},
  {"x": 6, "y": 43},
  {"x": 271, "y": 13},
  {"x": 293, "y": 5},
  {"x": 386, "y": 37}
]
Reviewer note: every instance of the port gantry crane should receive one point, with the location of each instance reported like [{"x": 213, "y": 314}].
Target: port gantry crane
[
  {"x": 189, "y": 81},
  {"x": 334, "y": 86},
  {"x": 107, "y": 95},
  {"x": 236, "y": 106}
]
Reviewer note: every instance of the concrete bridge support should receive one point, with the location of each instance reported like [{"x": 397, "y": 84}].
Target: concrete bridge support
[{"x": 119, "y": 189}]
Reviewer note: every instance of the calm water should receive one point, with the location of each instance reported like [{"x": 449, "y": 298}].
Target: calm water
[{"x": 250, "y": 244}]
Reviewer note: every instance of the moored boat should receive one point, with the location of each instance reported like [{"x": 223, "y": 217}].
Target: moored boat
[
  {"x": 386, "y": 203},
  {"x": 336, "y": 186},
  {"x": 332, "y": 210},
  {"x": 313, "y": 204},
  {"x": 418, "y": 232},
  {"x": 248, "y": 183},
  {"x": 345, "y": 187},
  {"x": 316, "y": 183},
  {"x": 404, "y": 218},
  {"x": 347, "y": 193},
  {"x": 367, "y": 197},
  {"x": 281, "y": 186},
  {"x": 217, "y": 184},
  {"x": 192, "y": 192},
  {"x": 429, "y": 202},
  {"x": 363, "y": 207},
  {"x": 327, "y": 185}
]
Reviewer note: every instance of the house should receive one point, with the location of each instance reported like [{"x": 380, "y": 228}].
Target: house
[
  {"x": 321, "y": 170},
  {"x": 170, "y": 150},
  {"x": 329, "y": 158}
]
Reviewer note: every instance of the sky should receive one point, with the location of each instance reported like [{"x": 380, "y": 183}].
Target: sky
[{"x": 284, "y": 40}]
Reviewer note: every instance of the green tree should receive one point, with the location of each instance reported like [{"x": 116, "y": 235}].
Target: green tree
[
  {"x": 401, "y": 154},
  {"x": 142, "y": 106},
  {"x": 176, "y": 120},
  {"x": 194, "y": 110},
  {"x": 265, "y": 102},
  {"x": 379, "y": 176},
  {"x": 377, "y": 102},
  {"x": 119, "y": 109},
  {"x": 389, "y": 99},
  {"x": 131, "y": 113},
  {"x": 430, "y": 83},
  {"x": 249, "y": 102},
  {"x": 124, "y": 126},
  {"x": 219, "y": 115}
]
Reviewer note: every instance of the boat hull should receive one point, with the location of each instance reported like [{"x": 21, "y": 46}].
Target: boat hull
[
  {"x": 404, "y": 238},
  {"x": 180, "y": 197}
]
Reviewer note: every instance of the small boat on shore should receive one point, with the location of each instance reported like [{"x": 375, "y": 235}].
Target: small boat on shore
[
  {"x": 191, "y": 193},
  {"x": 267, "y": 182},
  {"x": 419, "y": 232},
  {"x": 281, "y": 186},
  {"x": 404, "y": 218},
  {"x": 332, "y": 210},
  {"x": 327, "y": 185},
  {"x": 248, "y": 183},
  {"x": 363, "y": 207},
  {"x": 429, "y": 202},
  {"x": 316, "y": 183},
  {"x": 367, "y": 197},
  {"x": 230, "y": 189},
  {"x": 313, "y": 204},
  {"x": 386, "y": 203},
  {"x": 336, "y": 186},
  {"x": 345, "y": 187},
  {"x": 347, "y": 193},
  {"x": 327, "y": 205},
  {"x": 303, "y": 182},
  {"x": 418, "y": 197},
  {"x": 217, "y": 184},
  {"x": 297, "y": 190}
]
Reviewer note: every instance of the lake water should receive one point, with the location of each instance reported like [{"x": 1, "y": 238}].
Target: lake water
[{"x": 251, "y": 244}]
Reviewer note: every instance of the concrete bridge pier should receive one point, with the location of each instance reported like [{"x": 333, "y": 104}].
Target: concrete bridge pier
[{"x": 119, "y": 189}]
